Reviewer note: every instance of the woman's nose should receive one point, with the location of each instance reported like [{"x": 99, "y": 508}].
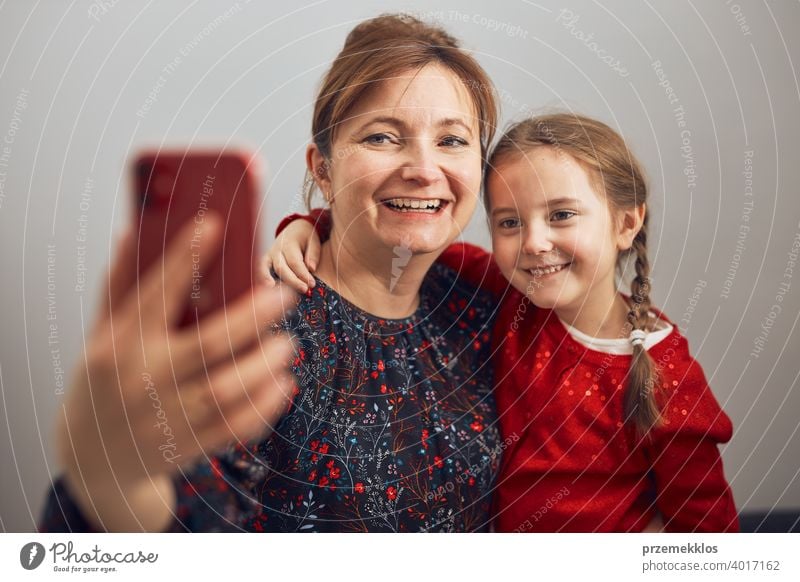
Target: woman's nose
[
  {"x": 421, "y": 165},
  {"x": 537, "y": 240}
]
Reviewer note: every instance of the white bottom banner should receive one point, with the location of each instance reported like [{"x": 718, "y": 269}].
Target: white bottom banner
[{"x": 388, "y": 557}]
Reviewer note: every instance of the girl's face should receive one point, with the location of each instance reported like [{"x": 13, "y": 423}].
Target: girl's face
[
  {"x": 405, "y": 167},
  {"x": 554, "y": 236}
]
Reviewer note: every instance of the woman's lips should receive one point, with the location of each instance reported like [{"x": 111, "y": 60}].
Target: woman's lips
[{"x": 415, "y": 205}]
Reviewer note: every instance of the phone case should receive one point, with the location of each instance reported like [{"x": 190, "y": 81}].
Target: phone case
[{"x": 173, "y": 188}]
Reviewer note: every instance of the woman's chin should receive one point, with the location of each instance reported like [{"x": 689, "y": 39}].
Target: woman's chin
[
  {"x": 416, "y": 240},
  {"x": 412, "y": 244}
]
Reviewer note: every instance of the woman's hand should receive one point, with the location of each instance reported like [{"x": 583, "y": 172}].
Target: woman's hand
[
  {"x": 149, "y": 397},
  {"x": 656, "y": 525},
  {"x": 293, "y": 256}
]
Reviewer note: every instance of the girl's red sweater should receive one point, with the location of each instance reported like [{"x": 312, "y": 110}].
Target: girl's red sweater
[{"x": 571, "y": 463}]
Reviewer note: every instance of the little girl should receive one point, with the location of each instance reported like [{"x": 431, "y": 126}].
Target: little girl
[{"x": 611, "y": 420}]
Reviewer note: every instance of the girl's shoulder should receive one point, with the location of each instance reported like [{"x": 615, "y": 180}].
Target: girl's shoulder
[
  {"x": 674, "y": 347},
  {"x": 687, "y": 401},
  {"x": 673, "y": 357}
]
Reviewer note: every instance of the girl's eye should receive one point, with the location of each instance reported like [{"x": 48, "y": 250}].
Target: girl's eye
[
  {"x": 452, "y": 140},
  {"x": 561, "y": 215},
  {"x": 509, "y": 223}
]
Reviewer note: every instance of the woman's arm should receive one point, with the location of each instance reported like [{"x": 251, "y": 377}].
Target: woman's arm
[
  {"x": 475, "y": 266},
  {"x": 295, "y": 253},
  {"x": 149, "y": 398}
]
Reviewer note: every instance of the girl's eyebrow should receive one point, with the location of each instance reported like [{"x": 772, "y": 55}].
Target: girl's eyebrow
[
  {"x": 503, "y": 210},
  {"x": 564, "y": 201}
]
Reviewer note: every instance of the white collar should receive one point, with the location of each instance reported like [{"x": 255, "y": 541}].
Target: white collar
[{"x": 619, "y": 346}]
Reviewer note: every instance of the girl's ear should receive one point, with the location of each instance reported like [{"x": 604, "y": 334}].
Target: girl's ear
[
  {"x": 319, "y": 167},
  {"x": 630, "y": 223}
]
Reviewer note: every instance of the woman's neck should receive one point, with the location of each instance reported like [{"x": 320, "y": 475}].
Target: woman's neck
[{"x": 379, "y": 283}]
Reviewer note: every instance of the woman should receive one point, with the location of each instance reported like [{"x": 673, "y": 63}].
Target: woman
[{"x": 391, "y": 426}]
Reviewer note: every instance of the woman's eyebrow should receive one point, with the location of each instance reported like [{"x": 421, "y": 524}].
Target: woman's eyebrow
[
  {"x": 387, "y": 119},
  {"x": 449, "y": 121},
  {"x": 399, "y": 123}
]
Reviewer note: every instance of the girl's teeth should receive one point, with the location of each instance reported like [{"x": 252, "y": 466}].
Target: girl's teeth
[{"x": 546, "y": 271}]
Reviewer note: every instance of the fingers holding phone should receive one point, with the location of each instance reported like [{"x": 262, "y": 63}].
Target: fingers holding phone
[{"x": 161, "y": 384}]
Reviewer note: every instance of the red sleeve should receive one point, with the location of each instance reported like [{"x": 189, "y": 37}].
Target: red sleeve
[
  {"x": 475, "y": 266},
  {"x": 318, "y": 217},
  {"x": 691, "y": 491}
]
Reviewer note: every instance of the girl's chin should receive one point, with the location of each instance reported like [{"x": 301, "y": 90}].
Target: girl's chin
[{"x": 542, "y": 295}]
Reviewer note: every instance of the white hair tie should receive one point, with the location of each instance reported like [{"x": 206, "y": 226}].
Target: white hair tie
[{"x": 637, "y": 337}]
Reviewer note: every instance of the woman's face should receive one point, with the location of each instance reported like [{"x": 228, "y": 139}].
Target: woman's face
[{"x": 405, "y": 168}]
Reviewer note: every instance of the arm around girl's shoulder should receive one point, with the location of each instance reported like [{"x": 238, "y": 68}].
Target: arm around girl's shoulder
[{"x": 476, "y": 266}]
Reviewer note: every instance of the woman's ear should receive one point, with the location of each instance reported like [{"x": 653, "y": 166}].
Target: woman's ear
[
  {"x": 630, "y": 223},
  {"x": 319, "y": 167}
]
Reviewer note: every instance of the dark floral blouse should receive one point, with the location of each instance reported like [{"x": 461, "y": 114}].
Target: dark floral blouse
[{"x": 392, "y": 428}]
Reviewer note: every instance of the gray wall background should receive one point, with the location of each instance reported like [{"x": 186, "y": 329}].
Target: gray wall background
[{"x": 74, "y": 83}]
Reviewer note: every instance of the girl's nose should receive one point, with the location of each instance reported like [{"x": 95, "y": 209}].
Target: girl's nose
[
  {"x": 421, "y": 165},
  {"x": 537, "y": 240}
]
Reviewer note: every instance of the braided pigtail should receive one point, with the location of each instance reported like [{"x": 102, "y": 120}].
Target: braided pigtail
[{"x": 641, "y": 408}]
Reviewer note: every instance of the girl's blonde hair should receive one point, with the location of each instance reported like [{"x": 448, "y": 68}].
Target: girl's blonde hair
[
  {"x": 384, "y": 47},
  {"x": 617, "y": 174}
]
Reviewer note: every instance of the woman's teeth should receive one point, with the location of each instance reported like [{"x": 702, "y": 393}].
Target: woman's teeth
[
  {"x": 542, "y": 271},
  {"x": 412, "y": 205}
]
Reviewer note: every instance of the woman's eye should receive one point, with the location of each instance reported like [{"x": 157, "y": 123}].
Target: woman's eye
[
  {"x": 508, "y": 223},
  {"x": 562, "y": 215},
  {"x": 452, "y": 140},
  {"x": 378, "y": 139}
]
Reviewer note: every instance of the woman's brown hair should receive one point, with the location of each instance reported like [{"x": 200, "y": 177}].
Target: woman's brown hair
[
  {"x": 618, "y": 176},
  {"x": 381, "y": 48}
]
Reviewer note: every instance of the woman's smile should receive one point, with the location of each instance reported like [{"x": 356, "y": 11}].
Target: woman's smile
[{"x": 415, "y": 205}]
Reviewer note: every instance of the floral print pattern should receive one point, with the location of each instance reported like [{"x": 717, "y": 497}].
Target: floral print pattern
[{"x": 392, "y": 426}]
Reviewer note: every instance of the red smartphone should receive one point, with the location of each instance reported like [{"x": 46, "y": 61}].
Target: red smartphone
[{"x": 174, "y": 187}]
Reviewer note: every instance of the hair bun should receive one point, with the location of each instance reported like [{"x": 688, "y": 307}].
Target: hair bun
[{"x": 398, "y": 27}]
